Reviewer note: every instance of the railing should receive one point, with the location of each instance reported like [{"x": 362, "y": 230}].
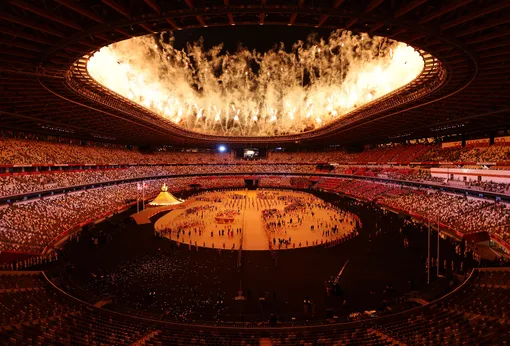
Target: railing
[
  {"x": 416, "y": 183},
  {"x": 290, "y": 326}
]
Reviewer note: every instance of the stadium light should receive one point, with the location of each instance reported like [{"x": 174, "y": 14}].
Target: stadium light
[{"x": 222, "y": 148}]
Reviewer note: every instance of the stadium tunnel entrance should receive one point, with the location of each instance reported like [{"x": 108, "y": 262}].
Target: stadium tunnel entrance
[{"x": 251, "y": 184}]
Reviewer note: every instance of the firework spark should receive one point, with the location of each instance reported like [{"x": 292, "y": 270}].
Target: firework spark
[{"x": 248, "y": 93}]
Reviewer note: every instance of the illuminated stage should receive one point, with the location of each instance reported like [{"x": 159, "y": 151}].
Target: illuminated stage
[{"x": 269, "y": 219}]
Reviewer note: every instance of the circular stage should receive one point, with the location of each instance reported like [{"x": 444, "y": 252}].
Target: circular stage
[{"x": 265, "y": 219}]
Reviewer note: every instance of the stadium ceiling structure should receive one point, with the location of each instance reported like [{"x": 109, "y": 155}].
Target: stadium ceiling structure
[{"x": 45, "y": 87}]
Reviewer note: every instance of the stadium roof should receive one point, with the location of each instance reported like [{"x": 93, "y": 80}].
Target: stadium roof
[{"x": 44, "y": 87}]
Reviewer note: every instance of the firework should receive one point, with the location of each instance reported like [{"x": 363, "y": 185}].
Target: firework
[{"x": 249, "y": 93}]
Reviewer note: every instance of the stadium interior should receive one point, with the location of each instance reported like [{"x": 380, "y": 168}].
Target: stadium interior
[{"x": 262, "y": 172}]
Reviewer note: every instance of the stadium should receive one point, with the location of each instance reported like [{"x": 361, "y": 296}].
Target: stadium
[{"x": 263, "y": 172}]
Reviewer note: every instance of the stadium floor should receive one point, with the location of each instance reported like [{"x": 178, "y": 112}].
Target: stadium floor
[{"x": 246, "y": 209}]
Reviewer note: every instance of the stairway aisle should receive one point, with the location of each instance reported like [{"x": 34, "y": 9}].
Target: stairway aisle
[{"x": 266, "y": 342}]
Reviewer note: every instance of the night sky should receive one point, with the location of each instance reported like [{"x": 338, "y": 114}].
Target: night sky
[{"x": 261, "y": 38}]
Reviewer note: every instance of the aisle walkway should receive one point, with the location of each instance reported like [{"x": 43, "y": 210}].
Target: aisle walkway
[{"x": 266, "y": 342}]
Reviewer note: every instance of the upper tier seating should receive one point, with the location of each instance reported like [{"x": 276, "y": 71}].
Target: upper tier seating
[{"x": 33, "y": 152}]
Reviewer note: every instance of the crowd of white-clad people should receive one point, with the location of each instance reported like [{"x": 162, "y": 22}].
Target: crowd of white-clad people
[
  {"x": 14, "y": 184},
  {"x": 466, "y": 215},
  {"x": 20, "y": 184},
  {"x": 490, "y": 186},
  {"x": 29, "y": 226}
]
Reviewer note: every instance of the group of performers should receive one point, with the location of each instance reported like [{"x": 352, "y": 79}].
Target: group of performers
[
  {"x": 290, "y": 220},
  {"x": 194, "y": 225},
  {"x": 307, "y": 207}
]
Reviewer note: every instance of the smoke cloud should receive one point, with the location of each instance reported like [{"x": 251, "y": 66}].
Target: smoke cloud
[{"x": 249, "y": 93}]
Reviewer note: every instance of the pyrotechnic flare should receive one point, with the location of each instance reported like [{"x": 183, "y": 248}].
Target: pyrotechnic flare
[{"x": 249, "y": 93}]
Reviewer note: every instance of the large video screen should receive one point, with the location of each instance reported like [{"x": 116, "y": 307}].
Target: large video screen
[{"x": 251, "y": 153}]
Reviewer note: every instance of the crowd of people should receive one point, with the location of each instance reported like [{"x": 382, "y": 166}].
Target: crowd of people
[
  {"x": 493, "y": 153},
  {"x": 99, "y": 163},
  {"x": 323, "y": 218},
  {"x": 20, "y": 151},
  {"x": 295, "y": 219},
  {"x": 31, "y": 225},
  {"x": 460, "y": 213},
  {"x": 16, "y": 151},
  {"x": 466, "y": 215},
  {"x": 205, "y": 225},
  {"x": 14, "y": 184},
  {"x": 490, "y": 186}
]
